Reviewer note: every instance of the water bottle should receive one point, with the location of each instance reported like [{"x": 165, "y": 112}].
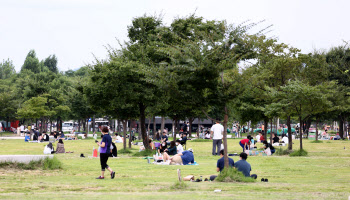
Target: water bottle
[{"x": 148, "y": 161}]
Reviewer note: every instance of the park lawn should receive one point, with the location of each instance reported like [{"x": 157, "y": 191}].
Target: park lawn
[{"x": 324, "y": 174}]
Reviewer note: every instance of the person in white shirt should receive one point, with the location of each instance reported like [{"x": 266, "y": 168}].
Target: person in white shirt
[
  {"x": 285, "y": 139},
  {"x": 119, "y": 139},
  {"x": 22, "y": 128},
  {"x": 257, "y": 138},
  {"x": 216, "y": 131},
  {"x": 179, "y": 147}
]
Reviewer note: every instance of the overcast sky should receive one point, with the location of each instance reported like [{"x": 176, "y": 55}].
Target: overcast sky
[{"x": 75, "y": 30}]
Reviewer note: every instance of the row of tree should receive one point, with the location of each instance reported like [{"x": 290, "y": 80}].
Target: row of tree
[{"x": 192, "y": 68}]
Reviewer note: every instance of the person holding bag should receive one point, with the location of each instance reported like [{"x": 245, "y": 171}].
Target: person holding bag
[{"x": 104, "y": 152}]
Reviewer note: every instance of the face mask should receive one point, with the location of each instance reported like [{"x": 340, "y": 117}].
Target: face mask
[
  {"x": 163, "y": 145},
  {"x": 177, "y": 144}
]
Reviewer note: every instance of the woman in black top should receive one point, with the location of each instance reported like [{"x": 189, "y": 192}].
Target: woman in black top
[{"x": 172, "y": 149}]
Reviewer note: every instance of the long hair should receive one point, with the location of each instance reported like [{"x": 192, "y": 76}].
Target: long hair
[
  {"x": 172, "y": 144},
  {"x": 49, "y": 145},
  {"x": 60, "y": 141}
]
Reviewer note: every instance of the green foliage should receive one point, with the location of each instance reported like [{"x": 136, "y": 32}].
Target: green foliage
[
  {"x": 45, "y": 164},
  {"x": 31, "y": 63},
  {"x": 300, "y": 152},
  {"x": 233, "y": 175},
  {"x": 179, "y": 186},
  {"x": 51, "y": 164},
  {"x": 51, "y": 63},
  {"x": 281, "y": 152},
  {"x": 7, "y": 69},
  {"x": 144, "y": 153}
]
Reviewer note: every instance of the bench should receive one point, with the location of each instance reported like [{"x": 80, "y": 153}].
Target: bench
[{"x": 23, "y": 158}]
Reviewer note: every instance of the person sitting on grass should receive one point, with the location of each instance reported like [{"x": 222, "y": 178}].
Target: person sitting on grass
[
  {"x": 207, "y": 135},
  {"x": 221, "y": 164},
  {"x": 162, "y": 147},
  {"x": 118, "y": 138},
  {"x": 179, "y": 148},
  {"x": 164, "y": 137},
  {"x": 61, "y": 136},
  {"x": 184, "y": 158},
  {"x": 45, "y": 137},
  {"x": 275, "y": 139},
  {"x": 171, "y": 150},
  {"x": 243, "y": 166},
  {"x": 262, "y": 139},
  {"x": 268, "y": 145},
  {"x": 27, "y": 137},
  {"x": 49, "y": 149},
  {"x": 60, "y": 147}
]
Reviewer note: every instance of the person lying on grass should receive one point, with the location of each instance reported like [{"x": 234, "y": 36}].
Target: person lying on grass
[
  {"x": 183, "y": 158},
  {"x": 243, "y": 166},
  {"x": 221, "y": 164}
]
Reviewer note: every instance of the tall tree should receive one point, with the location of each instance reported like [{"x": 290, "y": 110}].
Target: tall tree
[
  {"x": 51, "y": 63},
  {"x": 31, "y": 62},
  {"x": 7, "y": 69}
]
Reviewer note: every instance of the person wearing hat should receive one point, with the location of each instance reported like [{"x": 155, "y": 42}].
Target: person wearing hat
[{"x": 184, "y": 158}]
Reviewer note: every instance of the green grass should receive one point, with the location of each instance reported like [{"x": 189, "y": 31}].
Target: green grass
[
  {"x": 317, "y": 141},
  {"x": 233, "y": 175},
  {"x": 323, "y": 174}
]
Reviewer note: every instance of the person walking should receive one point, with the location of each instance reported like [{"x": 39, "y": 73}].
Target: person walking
[
  {"x": 104, "y": 152},
  {"x": 216, "y": 131}
]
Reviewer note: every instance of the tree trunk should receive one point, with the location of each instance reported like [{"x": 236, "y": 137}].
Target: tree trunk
[
  {"x": 176, "y": 129},
  {"x": 190, "y": 127},
  {"x": 300, "y": 135},
  {"x": 61, "y": 124},
  {"x": 225, "y": 139},
  {"x": 93, "y": 124},
  {"x": 78, "y": 125},
  {"x": 84, "y": 124},
  {"x": 154, "y": 126},
  {"x": 341, "y": 128},
  {"x": 316, "y": 129},
  {"x": 149, "y": 126},
  {"x": 271, "y": 131},
  {"x": 162, "y": 125},
  {"x": 42, "y": 125},
  {"x": 131, "y": 133},
  {"x": 199, "y": 125},
  {"x": 144, "y": 135},
  {"x": 124, "y": 133},
  {"x": 290, "y": 142},
  {"x": 266, "y": 123}
]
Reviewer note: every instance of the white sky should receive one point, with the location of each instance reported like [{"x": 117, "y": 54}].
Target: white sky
[{"x": 74, "y": 30}]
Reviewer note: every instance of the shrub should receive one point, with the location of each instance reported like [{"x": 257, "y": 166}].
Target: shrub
[
  {"x": 124, "y": 151},
  {"x": 146, "y": 152},
  {"x": 300, "y": 152},
  {"x": 233, "y": 175},
  {"x": 45, "y": 164},
  {"x": 317, "y": 141},
  {"x": 281, "y": 152},
  {"x": 51, "y": 164},
  {"x": 179, "y": 185}
]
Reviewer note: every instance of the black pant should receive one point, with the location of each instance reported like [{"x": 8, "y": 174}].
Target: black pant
[
  {"x": 103, "y": 160},
  {"x": 217, "y": 146}
]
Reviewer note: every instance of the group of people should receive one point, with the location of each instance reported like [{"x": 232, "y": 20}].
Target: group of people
[{"x": 49, "y": 149}]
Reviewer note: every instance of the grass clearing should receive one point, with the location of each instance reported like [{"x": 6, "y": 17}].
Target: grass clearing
[{"x": 323, "y": 174}]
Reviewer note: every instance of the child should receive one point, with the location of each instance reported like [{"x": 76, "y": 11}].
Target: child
[{"x": 27, "y": 137}]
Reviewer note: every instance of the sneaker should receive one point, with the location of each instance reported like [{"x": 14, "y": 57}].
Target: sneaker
[
  {"x": 112, "y": 175},
  {"x": 100, "y": 177}
]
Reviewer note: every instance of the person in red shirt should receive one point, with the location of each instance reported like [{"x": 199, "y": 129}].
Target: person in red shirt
[
  {"x": 262, "y": 139},
  {"x": 245, "y": 143}
]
